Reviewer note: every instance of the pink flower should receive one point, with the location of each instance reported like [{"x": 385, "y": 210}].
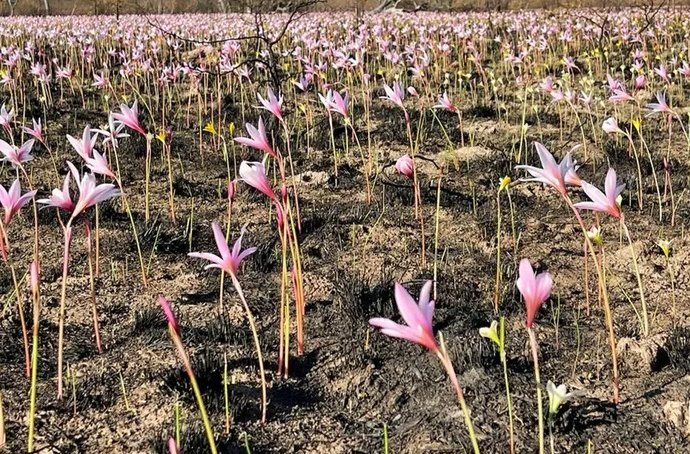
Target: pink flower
[
  {"x": 620, "y": 95},
  {"x": 100, "y": 81},
  {"x": 254, "y": 174},
  {"x": 273, "y": 104},
  {"x": 60, "y": 198},
  {"x": 99, "y": 164},
  {"x": 395, "y": 94},
  {"x": 257, "y": 138},
  {"x": 547, "y": 85},
  {"x": 571, "y": 177},
  {"x": 551, "y": 173},
  {"x": 13, "y": 200},
  {"x": 557, "y": 96},
  {"x": 603, "y": 202},
  {"x": 14, "y": 155},
  {"x": 418, "y": 318},
  {"x": 303, "y": 82},
  {"x": 129, "y": 117},
  {"x": 169, "y": 315},
  {"x": 229, "y": 261},
  {"x": 327, "y": 100},
  {"x": 613, "y": 84},
  {"x": 340, "y": 103},
  {"x": 534, "y": 288},
  {"x": 445, "y": 103},
  {"x": 84, "y": 146},
  {"x": 640, "y": 82},
  {"x": 112, "y": 132},
  {"x": 36, "y": 131},
  {"x": 661, "y": 105},
  {"x": 6, "y": 118},
  {"x": 90, "y": 193},
  {"x": 405, "y": 165},
  {"x": 685, "y": 70},
  {"x": 63, "y": 73},
  {"x": 662, "y": 72}
]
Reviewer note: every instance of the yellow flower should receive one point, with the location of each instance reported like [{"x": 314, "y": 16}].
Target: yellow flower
[
  {"x": 210, "y": 127},
  {"x": 231, "y": 128},
  {"x": 637, "y": 123},
  {"x": 503, "y": 183},
  {"x": 665, "y": 246},
  {"x": 491, "y": 333},
  {"x": 161, "y": 136}
]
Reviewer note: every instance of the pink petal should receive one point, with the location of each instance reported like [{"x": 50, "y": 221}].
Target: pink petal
[
  {"x": 206, "y": 256},
  {"x": 610, "y": 186},
  {"x": 408, "y": 309},
  {"x": 526, "y": 282},
  {"x": 220, "y": 240},
  {"x": 595, "y": 194}
]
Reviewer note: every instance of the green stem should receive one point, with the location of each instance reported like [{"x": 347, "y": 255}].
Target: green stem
[
  {"x": 507, "y": 383},
  {"x": 540, "y": 410},
  {"x": 257, "y": 344},
  {"x": 448, "y": 366},
  {"x": 643, "y": 302},
  {"x": 197, "y": 392}
]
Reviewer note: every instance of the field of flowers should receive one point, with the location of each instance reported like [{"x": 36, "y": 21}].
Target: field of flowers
[{"x": 398, "y": 233}]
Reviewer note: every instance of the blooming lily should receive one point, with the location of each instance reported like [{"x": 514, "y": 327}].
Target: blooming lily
[
  {"x": 444, "y": 102},
  {"x": 273, "y": 104},
  {"x": 557, "y": 395},
  {"x": 610, "y": 126},
  {"x": 36, "y": 131},
  {"x": 60, "y": 198},
  {"x": 90, "y": 193},
  {"x": 229, "y": 261},
  {"x": 395, "y": 94},
  {"x": 129, "y": 117},
  {"x": 84, "y": 146},
  {"x": 13, "y": 200},
  {"x": 551, "y": 173},
  {"x": 603, "y": 202},
  {"x": 417, "y": 317},
  {"x": 257, "y": 138},
  {"x": 16, "y": 156},
  {"x": 254, "y": 174}
]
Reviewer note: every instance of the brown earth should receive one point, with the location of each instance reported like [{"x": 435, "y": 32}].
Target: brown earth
[{"x": 352, "y": 380}]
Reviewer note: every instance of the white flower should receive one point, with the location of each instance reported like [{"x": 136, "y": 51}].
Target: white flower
[
  {"x": 610, "y": 126},
  {"x": 557, "y": 395},
  {"x": 491, "y": 333}
]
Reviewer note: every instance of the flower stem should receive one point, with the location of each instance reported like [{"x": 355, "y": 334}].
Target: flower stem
[
  {"x": 257, "y": 344},
  {"x": 608, "y": 314},
  {"x": 35, "y": 296},
  {"x": 448, "y": 366},
  {"x": 540, "y": 411},
  {"x": 507, "y": 383},
  {"x": 195, "y": 387},
  {"x": 643, "y": 302}
]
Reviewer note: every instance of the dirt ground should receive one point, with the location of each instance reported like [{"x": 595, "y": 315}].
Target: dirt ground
[{"x": 352, "y": 380}]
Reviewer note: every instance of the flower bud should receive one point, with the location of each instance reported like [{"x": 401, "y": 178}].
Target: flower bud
[{"x": 405, "y": 165}]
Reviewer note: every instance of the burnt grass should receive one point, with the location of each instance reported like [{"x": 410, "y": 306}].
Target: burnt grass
[{"x": 351, "y": 380}]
